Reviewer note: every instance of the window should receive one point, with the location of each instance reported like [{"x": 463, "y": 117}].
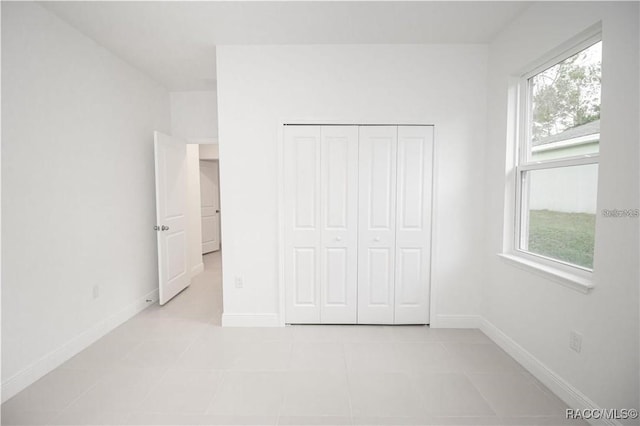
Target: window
[{"x": 557, "y": 165}]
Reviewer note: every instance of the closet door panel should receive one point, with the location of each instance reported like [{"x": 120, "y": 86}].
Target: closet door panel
[
  {"x": 336, "y": 278},
  {"x": 413, "y": 224},
  {"x": 380, "y": 275},
  {"x": 339, "y": 201},
  {"x": 302, "y": 223},
  {"x": 376, "y": 235},
  {"x": 304, "y": 274}
]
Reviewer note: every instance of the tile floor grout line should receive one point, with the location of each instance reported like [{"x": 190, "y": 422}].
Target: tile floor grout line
[
  {"x": 346, "y": 370},
  {"x": 82, "y": 394},
  {"x": 284, "y": 385},
  {"x": 484, "y": 398},
  {"x": 223, "y": 378}
]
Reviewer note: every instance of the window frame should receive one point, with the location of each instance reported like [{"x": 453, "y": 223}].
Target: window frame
[{"x": 575, "y": 276}]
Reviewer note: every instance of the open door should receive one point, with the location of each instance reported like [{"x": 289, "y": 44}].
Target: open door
[
  {"x": 171, "y": 214},
  {"x": 210, "y": 208}
]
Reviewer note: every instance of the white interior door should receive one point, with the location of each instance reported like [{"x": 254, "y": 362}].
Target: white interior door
[
  {"x": 210, "y": 199},
  {"x": 413, "y": 224},
  {"x": 339, "y": 221},
  {"x": 302, "y": 223},
  {"x": 376, "y": 224},
  {"x": 171, "y": 214}
]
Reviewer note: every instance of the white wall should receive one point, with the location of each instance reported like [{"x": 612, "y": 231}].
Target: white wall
[
  {"x": 533, "y": 312},
  {"x": 259, "y": 86},
  {"x": 1, "y": 256},
  {"x": 78, "y": 191},
  {"x": 194, "y": 115}
]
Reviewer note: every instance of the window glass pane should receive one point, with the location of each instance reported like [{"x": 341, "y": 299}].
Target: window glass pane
[
  {"x": 558, "y": 213},
  {"x": 565, "y": 107}
]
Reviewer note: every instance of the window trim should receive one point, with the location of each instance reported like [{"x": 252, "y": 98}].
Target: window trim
[
  {"x": 573, "y": 281},
  {"x": 573, "y": 276},
  {"x": 578, "y": 44}
]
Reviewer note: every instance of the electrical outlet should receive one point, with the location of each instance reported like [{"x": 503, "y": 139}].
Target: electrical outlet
[
  {"x": 239, "y": 283},
  {"x": 96, "y": 291},
  {"x": 575, "y": 341}
]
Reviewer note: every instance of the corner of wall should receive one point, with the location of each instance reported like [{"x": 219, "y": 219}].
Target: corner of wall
[{"x": 563, "y": 389}]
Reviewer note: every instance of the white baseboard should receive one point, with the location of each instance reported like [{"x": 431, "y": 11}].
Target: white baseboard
[
  {"x": 57, "y": 357},
  {"x": 456, "y": 321},
  {"x": 197, "y": 269},
  {"x": 250, "y": 320},
  {"x": 565, "y": 391}
]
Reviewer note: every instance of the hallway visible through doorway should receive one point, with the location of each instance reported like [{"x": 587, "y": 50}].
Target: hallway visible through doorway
[{"x": 202, "y": 300}]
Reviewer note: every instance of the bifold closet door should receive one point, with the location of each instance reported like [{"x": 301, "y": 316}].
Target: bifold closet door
[
  {"x": 320, "y": 173},
  {"x": 394, "y": 224},
  {"x": 376, "y": 233},
  {"x": 413, "y": 224},
  {"x": 339, "y": 223}
]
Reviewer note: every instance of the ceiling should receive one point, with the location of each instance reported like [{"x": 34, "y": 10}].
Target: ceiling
[{"x": 174, "y": 42}]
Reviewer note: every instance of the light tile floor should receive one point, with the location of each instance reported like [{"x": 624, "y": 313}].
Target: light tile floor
[{"x": 176, "y": 365}]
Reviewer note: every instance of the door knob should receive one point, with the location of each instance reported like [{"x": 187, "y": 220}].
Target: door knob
[
  {"x": 164, "y": 228},
  {"x": 156, "y": 228},
  {"x": 376, "y": 239}
]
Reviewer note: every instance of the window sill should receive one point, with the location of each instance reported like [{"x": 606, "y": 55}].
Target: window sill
[{"x": 567, "y": 279}]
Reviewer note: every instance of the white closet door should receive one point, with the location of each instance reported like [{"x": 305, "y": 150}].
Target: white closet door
[
  {"x": 413, "y": 224},
  {"x": 339, "y": 218},
  {"x": 377, "y": 211},
  {"x": 302, "y": 223}
]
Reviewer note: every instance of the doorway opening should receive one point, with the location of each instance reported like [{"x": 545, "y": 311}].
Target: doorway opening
[
  {"x": 189, "y": 249},
  {"x": 207, "y": 285}
]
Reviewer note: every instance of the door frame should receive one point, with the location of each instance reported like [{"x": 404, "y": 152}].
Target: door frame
[{"x": 354, "y": 121}]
